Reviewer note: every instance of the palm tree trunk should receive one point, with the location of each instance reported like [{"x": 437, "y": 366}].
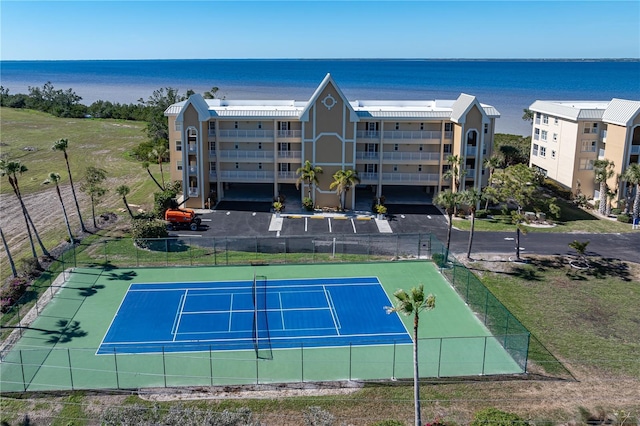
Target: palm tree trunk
[
  {"x": 636, "y": 202},
  {"x": 93, "y": 212},
  {"x": 602, "y": 207},
  {"x": 518, "y": 241},
  {"x": 446, "y": 259},
  {"x": 6, "y": 249},
  {"x": 154, "y": 179},
  {"x": 124, "y": 199},
  {"x": 35, "y": 232},
  {"x": 73, "y": 191},
  {"x": 473, "y": 225},
  {"x": 416, "y": 375},
  {"x": 64, "y": 212},
  {"x": 161, "y": 173}
]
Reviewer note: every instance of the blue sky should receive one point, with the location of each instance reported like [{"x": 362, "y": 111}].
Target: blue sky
[{"x": 318, "y": 29}]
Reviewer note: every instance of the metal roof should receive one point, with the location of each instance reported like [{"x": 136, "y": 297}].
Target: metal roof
[
  {"x": 621, "y": 112},
  {"x": 403, "y": 114}
]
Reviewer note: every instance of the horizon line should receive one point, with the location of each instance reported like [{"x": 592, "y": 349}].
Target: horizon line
[{"x": 629, "y": 59}]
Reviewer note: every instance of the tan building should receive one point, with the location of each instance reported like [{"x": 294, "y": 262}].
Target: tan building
[
  {"x": 568, "y": 136},
  {"x": 230, "y": 149}
]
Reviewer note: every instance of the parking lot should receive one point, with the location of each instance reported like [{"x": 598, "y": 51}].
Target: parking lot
[{"x": 251, "y": 219}]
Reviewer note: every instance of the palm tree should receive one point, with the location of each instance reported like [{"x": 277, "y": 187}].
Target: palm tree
[
  {"x": 309, "y": 174},
  {"x": 342, "y": 181},
  {"x": 581, "y": 248},
  {"x": 158, "y": 153},
  {"x": 454, "y": 173},
  {"x": 145, "y": 165},
  {"x": 11, "y": 169},
  {"x": 123, "y": 191},
  {"x": 603, "y": 170},
  {"x": 632, "y": 176},
  {"x": 471, "y": 197},
  {"x": 63, "y": 145},
  {"x": 6, "y": 249},
  {"x": 93, "y": 178},
  {"x": 449, "y": 201},
  {"x": 55, "y": 178},
  {"x": 412, "y": 304}
]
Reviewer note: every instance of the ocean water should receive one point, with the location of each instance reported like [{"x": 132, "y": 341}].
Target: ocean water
[{"x": 510, "y": 86}]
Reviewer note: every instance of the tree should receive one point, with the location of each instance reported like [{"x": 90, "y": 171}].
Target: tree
[
  {"x": 516, "y": 186},
  {"x": 632, "y": 176},
  {"x": 412, "y": 304},
  {"x": 6, "y": 249},
  {"x": 528, "y": 115},
  {"x": 92, "y": 179},
  {"x": 211, "y": 94},
  {"x": 471, "y": 197},
  {"x": 123, "y": 191},
  {"x": 12, "y": 169},
  {"x": 454, "y": 173},
  {"x": 342, "y": 181},
  {"x": 309, "y": 174},
  {"x": 55, "y": 178},
  {"x": 580, "y": 247},
  {"x": 63, "y": 145},
  {"x": 158, "y": 153},
  {"x": 603, "y": 171},
  {"x": 449, "y": 201},
  {"x": 145, "y": 165}
]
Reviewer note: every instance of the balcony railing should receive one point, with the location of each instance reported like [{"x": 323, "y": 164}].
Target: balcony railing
[
  {"x": 289, "y": 154},
  {"x": 472, "y": 150},
  {"x": 367, "y": 134},
  {"x": 413, "y": 135},
  {"x": 213, "y": 175},
  {"x": 600, "y": 154},
  {"x": 285, "y": 134},
  {"x": 235, "y": 154},
  {"x": 367, "y": 155},
  {"x": 368, "y": 176},
  {"x": 604, "y": 135},
  {"x": 247, "y": 176},
  {"x": 287, "y": 175},
  {"x": 212, "y": 153},
  {"x": 193, "y": 191},
  {"x": 635, "y": 149},
  {"x": 261, "y": 134},
  {"x": 193, "y": 147},
  {"x": 470, "y": 173},
  {"x": 412, "y": 156},
  {"x": 193, "y": 170},
  {"x": 409, "y": 177}
]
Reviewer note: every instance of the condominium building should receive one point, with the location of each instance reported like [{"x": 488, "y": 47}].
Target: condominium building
[
  {"x": 223, "y": 148},
  {"x": 568, "y": 136}
]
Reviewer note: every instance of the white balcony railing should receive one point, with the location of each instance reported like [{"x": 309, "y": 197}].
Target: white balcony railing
[
  {"x": 212, "y": 153},
  {"x": 367, "y": 155},
  {"x": 413, "y": 135},
  {"x": 289, "y": 154},
  {"x": 411, "y": 156},
  {"x": 213, "y": 175},
  {"x": 600, "y": 154},
  {"x": 287, "y": 175},
  {"x": 635, "y": 149},
  {"x": 247, "y": 176},
  {"x": 193, "y": 191},
  {"x": 252, "y": 134},
  {"x": 193, "y": 170},
  {"x": 472, "y": 150},
  {"x": 368, "y": 176},
  {"x": 193, "y": 147},
  {"x": 367, "y": 134},
  {"x": 235, "y": 154},
  {"x": 286, "y": 134},
  {"x": 409, "y": 177}
]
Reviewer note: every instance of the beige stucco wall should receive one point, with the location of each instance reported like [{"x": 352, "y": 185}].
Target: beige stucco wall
[{"x": 615, "y": 149}]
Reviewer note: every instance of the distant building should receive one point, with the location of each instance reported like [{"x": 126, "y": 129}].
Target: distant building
[
  {"x": 244, "y": 149},
  {"x": 568, "y": 136}
]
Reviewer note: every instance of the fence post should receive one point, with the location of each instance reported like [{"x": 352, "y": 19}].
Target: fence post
[
  {"x": 486, "y": 305},
  {"x": 211, "y": 365},
  {"x": 302, "y": 362},
  {"x": 439, "y": 357},
  {"x": 350, "y": 358},
  {"x": 70, "y": 369},
  {"x": 257, "y": 370},
  {"x": 393, "y": 367},
  {"x": 75, "y": 259},
  {"x": 115, "y": 362},
  {"x": 166, "y": 245},
  {"x": 226, "y": 249},
  {"x": 468, "y": 279},
  {"x": 137, "y": 255},
  {"x": 190, "y": 253},
  {"x": 24, "y": 381},
  {"x": 105, "y": 251},
  {"x": 484, "y": 355}
]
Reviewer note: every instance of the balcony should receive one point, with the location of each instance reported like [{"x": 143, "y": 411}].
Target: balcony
[
  {"x": 470, "y": 173},
  {"x": 193, "y": 170},
  {"x": 601, "y": 154},
  {"x": 212, "y": 175},
  {"x": 212, "y": 153},
  {"x": 289, "y": 154},
  {"x": 419, "y": 135},
  {"x": 287, "y": 175},
  {"x": 635, "y": 149},
  {"x": 411, "y": 156},
  {"x": 367, "y": 134},
  {"x": 239, "y": 135},
  {"x": 368, "y": 177},
  {"x": 388, "y": 178},
  {"x": 471, "y": 151},
  {"x": 604, "y": 136},
  {"x": 193, "y": 148},
  {"x": 236, "y": 154},
  {"x": 246, "y": 176},
  {"x": 368, "y": 156},
  {"x": 289, "y": 134},
  {"x": 193, "y": 191}
]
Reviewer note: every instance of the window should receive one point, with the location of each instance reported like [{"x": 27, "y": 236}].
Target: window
[
  {"x": 594, "y": 129},
  {"x": 420, "y": 148},
  {"x": 259, "y": 124},
  {"x": 283, "y": 126},
  {"x": 543, "y": 151},
  {"x": 553, "y": 154},
  {"x": 397, "y": 126},
  {"x": 284, "y": 167},
  {"x": 236, "y": 146},
  {"x": 284, "y": 146},
  {"x": 395, "y": 168},
  {"x": 586, "y": 164},
  {"x": 420, "y": 168},
  {"x": 178, "y": 145},
  {"x": 371, "y": 168},
  {"x": 589, "y": 146},
  {"x": 421, "y": 126},
  {"x": 555, "y": 120},
  {"x": 544, "y": 135},
  {"x": 447, "y": 148},
  {"x": 486, "y": 128},
  {"x": 535, "y": 149},
  {"x": 212, "y": 166},
  {"x": 237, "y": 165},
  {"x": 212, "y": 146},
  {"x": 212, "y": 127},
  {"x": 395, "y": 147},
  {"x": 555, "y": 137},
  {"x": 536, "y": 134},
  {"x": 177, "y": 126},
  {"x": 259, "y": 166},
  {"x": 179, "y": 165},
  {"x": 447, "y": 127},
  {"x": 545, "y": 119},
  {"x": 235, "y": 124},
  {"x": 259, "y": 145}
]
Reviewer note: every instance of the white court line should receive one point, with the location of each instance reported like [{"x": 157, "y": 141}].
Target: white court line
[
  {"x": 179, "y": 313},
  {"x": 329, "y": 219},
  {"x": 189, "y": 235},
  {"x": 230, "y": 311},
  {"x": 281, "y": 310},
  {"x": 353, "y": 224},
  {"x": 331, "y": 311}
]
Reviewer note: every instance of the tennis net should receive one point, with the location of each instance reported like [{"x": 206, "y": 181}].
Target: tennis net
[{"x": 261, "y": 337}]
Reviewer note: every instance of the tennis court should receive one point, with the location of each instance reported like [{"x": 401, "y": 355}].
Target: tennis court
[
  {"x": 254, "y": 314},
  {"x": 129, "y": 328}
]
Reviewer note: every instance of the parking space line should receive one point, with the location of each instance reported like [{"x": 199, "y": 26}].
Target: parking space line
[
  {"x": 329, "y": 220},
  {"x": 305, "y": 224},
  {"x": 353, "y": 223}
]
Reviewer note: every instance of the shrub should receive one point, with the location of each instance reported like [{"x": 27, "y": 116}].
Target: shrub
[
  {"x": 389, "y": 423},
  {"x": 624, "y": 218},
  {"x": 30, "y": 267},
  {"x": 495, "y": 417},
  {"x": 482, "y": 214},
  {"x": 380, "y": 209},
  {"x": 439, "y": 259},
  {"x": 143, "y": 229},
  {"x": 616, "y": 211},
  {"x": 162, "y": 200},
  {"x": 307, "y": 203},
  {"x": 12, "y": 292},
  {"x": 316, "y": 416}
]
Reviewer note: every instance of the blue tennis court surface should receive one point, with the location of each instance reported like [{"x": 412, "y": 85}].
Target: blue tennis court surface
[{"x": 222, "y": 315}]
